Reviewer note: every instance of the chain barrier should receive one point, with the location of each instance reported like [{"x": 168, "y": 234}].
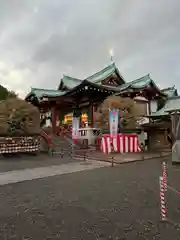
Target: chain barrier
[
  {"x": 164, "y": 188},
  {"x": 84, "y": 154}
]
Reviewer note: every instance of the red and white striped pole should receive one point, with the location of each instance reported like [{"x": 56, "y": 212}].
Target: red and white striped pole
[
  {"x": 164, "y": 174},
  {"x": 162, "y": 199}
]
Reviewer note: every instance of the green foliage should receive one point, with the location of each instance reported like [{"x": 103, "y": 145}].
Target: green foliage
[
  {"x": 5, "y": 93},
  {"x": 12, "y": 94},
  {"x": 16, "y": 122},
  {"x": 18, "y": 117}
]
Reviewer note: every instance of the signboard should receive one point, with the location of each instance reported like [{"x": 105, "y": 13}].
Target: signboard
[
  {"x": 75, "y": 127},
  {"x": 113, "y": 121}
]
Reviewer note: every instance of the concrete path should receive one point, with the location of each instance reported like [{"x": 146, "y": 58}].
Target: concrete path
[{"x": 42, "y": 172}]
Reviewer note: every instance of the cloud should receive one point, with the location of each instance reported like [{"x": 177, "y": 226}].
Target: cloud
[{"x": 40, "y": 40}]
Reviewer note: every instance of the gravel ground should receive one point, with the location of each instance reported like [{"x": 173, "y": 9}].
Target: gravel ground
[
  {"x": 29, "y": 161},
  {"x": 109, "y": 203}
]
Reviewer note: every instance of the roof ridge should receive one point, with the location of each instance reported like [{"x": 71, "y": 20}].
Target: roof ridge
[
  {"x": 137, "y": 79},
  {"x": 140, "y": 78},
  {"x": 44, "y": 89},
  {"x": 112, "y": 65},
  {"x": 64, "y": 75},
  {"x": 145, "y": 78},
  {"x": 168, "y": 88}
]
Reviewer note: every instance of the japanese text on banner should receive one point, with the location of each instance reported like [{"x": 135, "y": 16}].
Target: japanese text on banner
[{"x": 113, "y": 121}]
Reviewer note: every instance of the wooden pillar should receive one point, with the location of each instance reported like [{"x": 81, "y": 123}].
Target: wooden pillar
[{"x": 55, "y": 115}]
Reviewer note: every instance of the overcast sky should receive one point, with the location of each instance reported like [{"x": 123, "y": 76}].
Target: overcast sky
[{"x": 42, "y": 39}]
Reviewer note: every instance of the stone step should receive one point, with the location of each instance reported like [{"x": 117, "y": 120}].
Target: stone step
[{"x": 63, "y": 141}]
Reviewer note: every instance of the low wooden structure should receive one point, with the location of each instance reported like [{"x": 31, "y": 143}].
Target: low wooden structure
[
  {"x": 162, "y": 129},
  {"x": 159, "y": 136},
  {"x": 20, "y": 144}
]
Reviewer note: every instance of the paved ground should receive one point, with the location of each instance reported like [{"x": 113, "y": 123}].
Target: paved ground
[
  {"x": 26, "y": 161},
  {"x": 119, "y": 157},
  {"x": 29, "y": 161},
  {"x": 107, "y": 203},
  {"x": 29, "y": 174}
]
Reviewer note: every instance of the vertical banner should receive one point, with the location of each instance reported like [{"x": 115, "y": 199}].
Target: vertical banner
[
  {"x": 113, "y": 121},
  {"x": 75, "y": 127}
]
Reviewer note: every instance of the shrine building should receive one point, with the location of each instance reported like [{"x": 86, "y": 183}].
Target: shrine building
[{"x": 81, "y": 97}]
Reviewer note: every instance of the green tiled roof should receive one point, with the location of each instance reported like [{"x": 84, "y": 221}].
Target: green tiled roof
[
  {"x": 70, "y": 82},
  {"x": 96, "y": 79},
  {"x": 39, "y": 93},
  {"x": 103, "y": 74},
  {"x": 142, "y": 82},
  {"x": 172, "y": 104},
  {"x": 170, "y": 92},
  {"x": 135, "y": 84},
  {"x": 138, "y": 83},
  {"x": 159, "y": 113}
]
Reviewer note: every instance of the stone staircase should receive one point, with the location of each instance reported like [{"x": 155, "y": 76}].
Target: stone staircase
[{"x": 63, "y": 146}]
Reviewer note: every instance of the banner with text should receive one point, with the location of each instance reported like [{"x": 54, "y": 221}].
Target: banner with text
[
  {"x": 75, "y": 127},
  {"x": 113, "y": 121}
]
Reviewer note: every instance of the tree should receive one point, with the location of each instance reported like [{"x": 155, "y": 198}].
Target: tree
[
  {"x": 5, "y": 93},
  {"x": 18, "y": 116},
  {"x": 12, "y": 94},
  {"x": 128, "y": 114}
]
